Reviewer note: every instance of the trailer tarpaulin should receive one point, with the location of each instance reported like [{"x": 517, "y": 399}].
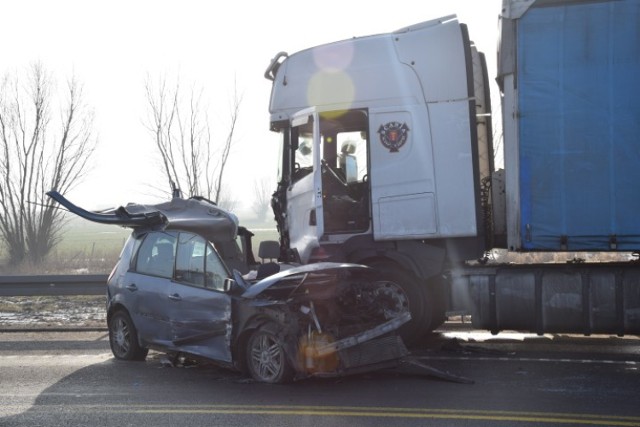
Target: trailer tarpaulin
[{"x": 578, "y": 80}]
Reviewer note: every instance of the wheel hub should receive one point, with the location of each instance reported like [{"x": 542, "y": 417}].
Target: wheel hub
[
  {"x": 395, "y": 298},
  {"x": 120, "y": 337}
]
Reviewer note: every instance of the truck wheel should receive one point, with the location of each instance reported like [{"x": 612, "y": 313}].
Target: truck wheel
[{"x": 416, "y": 297}]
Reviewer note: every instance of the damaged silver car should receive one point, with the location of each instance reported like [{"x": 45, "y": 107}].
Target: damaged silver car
[{"x": 179, "y": 287}]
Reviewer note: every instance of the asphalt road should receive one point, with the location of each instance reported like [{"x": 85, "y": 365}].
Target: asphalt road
[{"x": 71, "y": 379}]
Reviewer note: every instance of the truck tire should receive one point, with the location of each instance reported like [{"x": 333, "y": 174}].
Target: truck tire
[{"x": 416, "y": 296}]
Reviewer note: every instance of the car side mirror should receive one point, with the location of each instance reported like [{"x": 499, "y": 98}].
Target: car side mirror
[
  {"x": 228, "y": 284},
  {"x": 237, "y": 282}
]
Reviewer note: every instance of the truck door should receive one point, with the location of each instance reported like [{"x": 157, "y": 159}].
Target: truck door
[
  {"x": 329, "y": 190},
  {"x": 402, "y": 176},
  {"x": 305, "y": 221}
]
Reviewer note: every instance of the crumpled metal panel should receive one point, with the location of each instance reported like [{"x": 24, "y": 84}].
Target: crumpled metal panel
[{"x": 322, "y": 267}]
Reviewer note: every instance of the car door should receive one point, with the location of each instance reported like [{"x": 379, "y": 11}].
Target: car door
[
  {"x": 146, "y": 287},
  {"x": 200, "y": 309}
]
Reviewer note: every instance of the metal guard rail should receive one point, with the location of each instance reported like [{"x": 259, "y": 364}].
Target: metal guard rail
[{"x": 53, "y": 285}]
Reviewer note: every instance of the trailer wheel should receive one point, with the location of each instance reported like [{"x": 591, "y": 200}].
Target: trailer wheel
[{"x": 415, "y": 296}]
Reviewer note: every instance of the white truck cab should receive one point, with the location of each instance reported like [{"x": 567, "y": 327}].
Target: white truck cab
[
  {"x": 380, "y": 154},
  {"x": 376, "y": 130}
]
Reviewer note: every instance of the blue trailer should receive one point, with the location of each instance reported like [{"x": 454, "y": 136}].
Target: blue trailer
[{"x": 568, "y": 72}]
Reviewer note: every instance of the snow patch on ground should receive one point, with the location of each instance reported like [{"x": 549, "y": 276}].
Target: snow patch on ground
[{"x": 54, "y": 312}]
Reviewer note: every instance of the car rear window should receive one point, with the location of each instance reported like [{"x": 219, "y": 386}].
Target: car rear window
[{"x": 157, "y": 254}]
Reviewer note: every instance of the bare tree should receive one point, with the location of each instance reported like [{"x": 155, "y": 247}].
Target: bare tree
[
  {"x": 39, "y": 153},
  {"x": 261, "y": 198},
  {"x": 227, "y": 200},
  {"x": 182, "y": 133}
]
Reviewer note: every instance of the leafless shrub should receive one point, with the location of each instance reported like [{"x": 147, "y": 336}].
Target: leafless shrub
[{"x": 261, "y": 198}]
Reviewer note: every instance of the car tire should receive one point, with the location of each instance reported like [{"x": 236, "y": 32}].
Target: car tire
[
  {"x": 418, "y": 303},
  {"x": 266, "y": 357},
  {"x": 123, "y": 338}
]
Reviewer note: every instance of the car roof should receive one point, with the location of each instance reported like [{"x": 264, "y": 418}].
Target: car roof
[{"x": 195, "y": 214}]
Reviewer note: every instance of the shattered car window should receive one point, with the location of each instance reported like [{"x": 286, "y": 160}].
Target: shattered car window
[
  {"x": 157, "y": 255},
  {"x": 216, "y": 270},
  {"x": 198, "y": 264},
  {"x": 190, "y": 259}
]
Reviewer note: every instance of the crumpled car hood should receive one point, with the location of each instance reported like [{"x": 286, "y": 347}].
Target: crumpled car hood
[{"x": 322, "y": 267}]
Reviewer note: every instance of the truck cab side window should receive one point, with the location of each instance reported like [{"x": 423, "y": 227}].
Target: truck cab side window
[{"x": 302, "y": 145}]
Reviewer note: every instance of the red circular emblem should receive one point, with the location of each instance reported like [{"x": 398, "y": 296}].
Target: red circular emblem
[{"x": 393, "y": 135}]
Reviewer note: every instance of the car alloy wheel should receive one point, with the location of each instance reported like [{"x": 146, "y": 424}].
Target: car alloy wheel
[
  {"x": 266, "y": 357},
  {"x": 123, "y": 338}
]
